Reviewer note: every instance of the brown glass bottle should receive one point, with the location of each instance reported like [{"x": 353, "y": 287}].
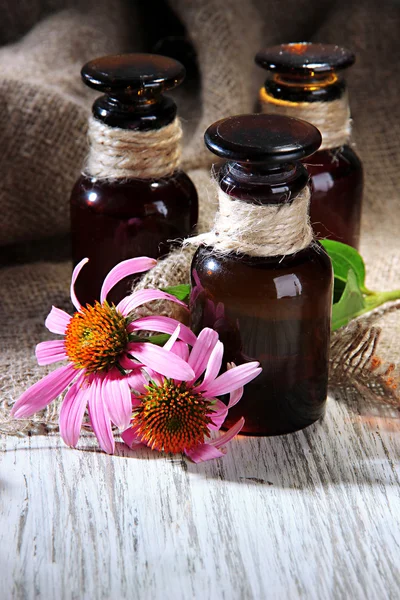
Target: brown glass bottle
[
  {"x": 310, "y": 73},
  {"x": 116, "y": 219},
  {"x": 277, "y": 309}
]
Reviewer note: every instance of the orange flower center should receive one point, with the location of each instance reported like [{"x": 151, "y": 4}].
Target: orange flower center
[
  {"x": 171, "y": 417},
  {"x": 96, "y": 337}
]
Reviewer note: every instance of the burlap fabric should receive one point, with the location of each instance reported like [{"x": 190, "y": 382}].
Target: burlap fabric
[{"x": 43, "y": 114}]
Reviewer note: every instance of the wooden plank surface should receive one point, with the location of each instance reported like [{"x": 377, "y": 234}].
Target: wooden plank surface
[{"x": 310, "y": 515}]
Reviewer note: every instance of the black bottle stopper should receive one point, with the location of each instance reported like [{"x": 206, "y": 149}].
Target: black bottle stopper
[
  {"x": 304, "y": 58},
  {"x": 133, "y": 87},
  {"x": 270, "y": 140},
  {"x": 263, "y": 153}
]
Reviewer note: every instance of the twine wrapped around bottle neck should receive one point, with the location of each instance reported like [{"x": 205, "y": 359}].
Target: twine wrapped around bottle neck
[
  {"x": 331, "y": 118},
  {"x": 117, "y": 153},
  {"x": 259, "y": 229}
]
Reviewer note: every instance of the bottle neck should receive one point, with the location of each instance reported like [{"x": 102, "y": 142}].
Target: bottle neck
[
  {"x": 259, "y": 185},
  {"x": 248, "y": 226},
  {"x": 135, "y": 113},
  {"x": 310, "y": 87},
  {"x": 319, "y": 99},
  {"x": 117, "y": 154}
]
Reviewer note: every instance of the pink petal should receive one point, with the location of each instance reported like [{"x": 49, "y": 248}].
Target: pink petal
[
  {"x": 213, "y": 366},
  {"x": 117, "y": 397},
  {"x": 169, "y": 344},
  {"x": 50, "y": 352},
  {"x": 99, "y": 416},
  {"x": 232, "y": 379},
  {"x": 40, "y": 394},
  {"x": 235, "y": 396},
  {"x": 153, "y": 376},
  {"x": 128, "y": 363},
  {"x": 164, "y": 362},
  {"x": 57, "y": 320},
  {"x": 218, "y": 415},
  {"x": 130, "y": 438},
  {"x": 128, "y": 304},
  {"x": 124, "y": 269},
  {"x": 181, "y": 349},
  {"x": 163, "y": 325},
  {"x": 75, "y": 274},
  {"x": 136, "y": 382},
  {"x": 135, "y": 403},
  {"x": 228, "y": 435},
  {"x": 203, "y": 452},
  {"x": 71, "y": 413},
  {"x": 202, "y": 350}
]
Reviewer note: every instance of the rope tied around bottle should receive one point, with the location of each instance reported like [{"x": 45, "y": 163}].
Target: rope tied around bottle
[
  {"x": 331, "y": 118},
  {"x": 117, "y": 153},
  {"x": 259, "y": 229}
]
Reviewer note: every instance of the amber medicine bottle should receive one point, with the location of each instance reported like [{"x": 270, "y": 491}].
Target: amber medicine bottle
[
  {"x": 132, "y": 198},
  {"x": 305, "y": 81},
  {"x": 259, "y": 278}
]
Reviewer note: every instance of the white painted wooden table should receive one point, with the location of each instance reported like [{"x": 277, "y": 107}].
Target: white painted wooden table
[{"x": 310, "y": 515}]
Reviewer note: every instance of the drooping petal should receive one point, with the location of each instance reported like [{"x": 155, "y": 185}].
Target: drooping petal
[
  {"x": 218, "y": 415},
  {"x": 50, "y": 352},
  {"x": 136, "y": 402},
  {"x": 72, "y": 411},
  {"x": 117, "y": 397},
  {"x": 136, "y": 381},
  {"x": 75, "y": 274},
  {"x": 169, "y": 344},
  {"x": 130, "y": 303},
  {"x": 40, "y": 394},
  {"x": 124, "y": 269},
  {"x": 235, "y": 396},
  {"x": 213, "y": 365},
  {"x": 181, "y": 349},
  {"x": 99, "y": 417},
  {"x": 228, "y": 435},
  {"x": 233, "y": 379},
  {"x": 202, "y": 350},
  {"x": 163, "y": 325},
  {"x": 203, "y": 452},
  {"x": 128, "y": 363},
  {"x": 164, "y": 362},
  {"x": 130, "y": 438},
  {"x": 153, "y": 376},
  {"x": 57, "y": 320}
]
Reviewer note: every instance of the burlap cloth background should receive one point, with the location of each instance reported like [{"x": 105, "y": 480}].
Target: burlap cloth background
[{"x": 43, "y": 113}]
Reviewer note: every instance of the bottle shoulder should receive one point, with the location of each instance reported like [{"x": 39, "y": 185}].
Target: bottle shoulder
[
  {"x": 335, "y": 160},
  {"x": 292, "y": 287},
  {"x": 129, "y": 194},
  {"x": 308, "y": 265}
]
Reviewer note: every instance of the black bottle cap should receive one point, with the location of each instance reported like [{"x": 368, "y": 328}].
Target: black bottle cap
[
  {"x": 134, "y": 86},
  {"x": 304, "y": 58},
  {"x": 133, "y": 74},
  {"x": 270, "y": 140}
]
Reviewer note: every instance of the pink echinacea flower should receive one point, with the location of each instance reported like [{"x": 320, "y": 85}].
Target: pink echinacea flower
[
  {"x": 97, "y": 345},
  {"x": 175, "y": 415}
]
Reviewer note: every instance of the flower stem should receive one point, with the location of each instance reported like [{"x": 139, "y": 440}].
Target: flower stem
[{"x": 377, "y": 298}]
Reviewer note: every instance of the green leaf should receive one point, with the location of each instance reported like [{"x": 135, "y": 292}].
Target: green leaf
[
  {"x": 158, "y": 340},
  {"x": 338, "y": 289},
  {"x": 350, "y": 305},
  {"x": 343, "y": 259},
  {"x": 181, "y": 291}
]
